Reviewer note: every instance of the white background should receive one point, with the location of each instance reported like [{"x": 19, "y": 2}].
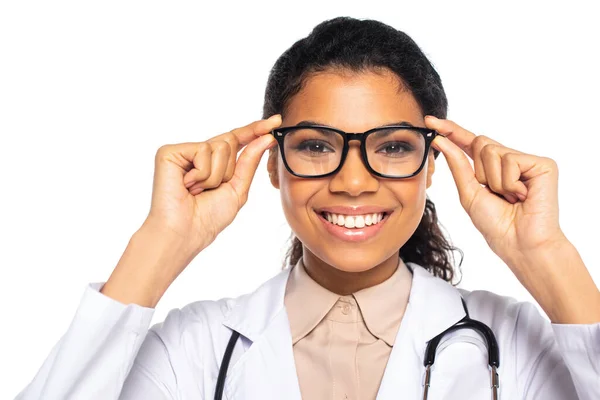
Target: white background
[{"x": 90, "y": 90}]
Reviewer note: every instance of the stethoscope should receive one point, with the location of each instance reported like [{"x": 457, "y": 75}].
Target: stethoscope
[
  {"x": 429, "y": 359},
  {"x": 492, "y": 347}
]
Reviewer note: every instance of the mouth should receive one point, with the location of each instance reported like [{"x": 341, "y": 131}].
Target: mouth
[
  {"x": 353, "y": 225},
  {"x": 354, "y": 221}
]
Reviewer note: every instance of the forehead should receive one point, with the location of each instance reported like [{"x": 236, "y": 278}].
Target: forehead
[{"x": 353, "y": 101}]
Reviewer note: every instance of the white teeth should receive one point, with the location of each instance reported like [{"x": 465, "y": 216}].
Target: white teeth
[
  {"x": 349, "y": 222},
  {"x": 359, "y": 221},
  {"x": 354, "y": 221}
]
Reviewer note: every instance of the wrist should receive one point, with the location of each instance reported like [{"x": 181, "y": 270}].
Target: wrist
[
  {"x": 558, "y": 279},
  {"x": 148, "y": 266},
  {"x": 531, "y": 264}
]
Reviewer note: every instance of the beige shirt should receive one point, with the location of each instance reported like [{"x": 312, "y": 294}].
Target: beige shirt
[{"x": 341, "y": 344}]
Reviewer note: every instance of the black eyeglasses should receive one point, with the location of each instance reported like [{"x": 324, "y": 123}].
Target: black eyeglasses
[{"x": 315, "y": 151}]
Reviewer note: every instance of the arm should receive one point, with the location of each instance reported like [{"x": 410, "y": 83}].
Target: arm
[
  {"x": 191, "y": 180},
  {"x": 94, "y": 357},
  {"x": 557, "y": 278},
  {"x": 569, "y": 350}
]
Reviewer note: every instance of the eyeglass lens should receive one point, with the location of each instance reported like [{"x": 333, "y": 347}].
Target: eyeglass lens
[{"x": 392, "y": 151}]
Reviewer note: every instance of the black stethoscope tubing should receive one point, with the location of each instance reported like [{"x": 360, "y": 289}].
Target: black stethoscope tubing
[
  {"x": 465, "y": 323},
  {"x": 225, "y": 364},
  {"x": 492, "y": 347}
]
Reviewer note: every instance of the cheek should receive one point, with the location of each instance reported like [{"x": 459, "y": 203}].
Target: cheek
[
  {"x": 411, "y": 194},
  {"x": 296, "y": 195}
]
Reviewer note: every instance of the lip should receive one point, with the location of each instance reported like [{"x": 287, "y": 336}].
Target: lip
[
  {"x": 352, "y": 234},
  {"x": 354, "y": 210}
]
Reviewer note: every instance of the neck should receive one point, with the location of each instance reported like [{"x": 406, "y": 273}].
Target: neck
[{"x": 344, "y": 282}]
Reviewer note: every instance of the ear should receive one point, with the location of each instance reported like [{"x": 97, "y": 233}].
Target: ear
[
  {"x": 430, "y": 168},
  {"x": 272, "y": 167}
]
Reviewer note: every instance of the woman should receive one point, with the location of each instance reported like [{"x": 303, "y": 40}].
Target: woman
[{"x": 369, "y": 286}]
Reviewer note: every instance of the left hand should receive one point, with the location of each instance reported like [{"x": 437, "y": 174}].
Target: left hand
[{"x": 516, "y": 209}]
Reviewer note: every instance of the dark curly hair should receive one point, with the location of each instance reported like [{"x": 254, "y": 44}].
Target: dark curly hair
[{"x": 349, "y": 44}]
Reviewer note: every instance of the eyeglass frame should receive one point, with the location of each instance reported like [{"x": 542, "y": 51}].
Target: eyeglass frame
[{"x": 428, "y": 135}]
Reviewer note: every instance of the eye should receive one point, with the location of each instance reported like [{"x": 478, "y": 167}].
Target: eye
[
  {"x": 395, "y": 148},
  {"x": 314, "y": 147}
]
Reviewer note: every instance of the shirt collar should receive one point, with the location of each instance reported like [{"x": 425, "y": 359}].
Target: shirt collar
[
  {"x": 306, "y": 302},
  {"x": 382, "y": 306}
]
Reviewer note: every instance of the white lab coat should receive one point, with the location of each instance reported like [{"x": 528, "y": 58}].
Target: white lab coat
[{"x": 108, "y": 351}]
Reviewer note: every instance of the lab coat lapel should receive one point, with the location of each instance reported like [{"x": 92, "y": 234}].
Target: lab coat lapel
[
  {"x": 267, "y": 369},
  {"x": 433, "y": 306}
]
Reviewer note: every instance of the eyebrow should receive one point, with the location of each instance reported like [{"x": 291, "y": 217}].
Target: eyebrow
[{"x": 401, "y": 123}]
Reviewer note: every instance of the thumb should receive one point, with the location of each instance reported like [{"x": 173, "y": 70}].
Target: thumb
[
  {"x": 461, "y": 169},
  {"x": 247, "y": 164}
]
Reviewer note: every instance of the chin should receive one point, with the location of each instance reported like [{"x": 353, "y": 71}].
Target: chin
[{"x": 357, "y": 260}]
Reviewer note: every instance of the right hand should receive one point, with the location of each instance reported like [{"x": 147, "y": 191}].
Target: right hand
[{"x": 200, "y": 187}]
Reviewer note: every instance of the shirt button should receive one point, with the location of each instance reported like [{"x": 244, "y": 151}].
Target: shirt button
[{"x": 346, "y": 309}]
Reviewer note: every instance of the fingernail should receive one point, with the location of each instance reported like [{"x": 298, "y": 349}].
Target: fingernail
[
  {"x": 270, "y": 139},
  {"x": 431, "y": 118},
  {"x": 274, "y": 116},
  {"x": 521, "y": 197},
  {"x": 511, "y": 199}
]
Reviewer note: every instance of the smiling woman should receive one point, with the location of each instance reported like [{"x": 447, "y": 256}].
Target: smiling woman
[
  {"x": 354, "y": 118},
  {"x": 358, "y": 102}
]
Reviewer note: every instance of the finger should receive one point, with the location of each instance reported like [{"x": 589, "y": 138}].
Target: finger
[
  {"x": 240, "y": 137},
  {"x": 491, "y": 171},
  {"x": 220, "y": 157},
  {"x": 513, "y": 167},
  {"x": 469, "y": 142},
  {"x": 461, "y": 170},
  {"x": 200, "y": 160},
  {"x": 452, "y": 131},
  {"x": 183, "y": 154},
  {"x": 230, "y": 162},
  {"x": 247, "y": 164},
  {"x": 236, "y": 145},
  {"x": 480, "y": 145}
]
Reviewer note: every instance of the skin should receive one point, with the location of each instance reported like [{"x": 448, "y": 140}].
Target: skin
[{"x": 353, "y": 103}]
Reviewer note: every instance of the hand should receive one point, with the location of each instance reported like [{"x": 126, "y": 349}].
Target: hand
[
  {"x": 200, "y": 187},
  {"x": 511, "y": 197}
]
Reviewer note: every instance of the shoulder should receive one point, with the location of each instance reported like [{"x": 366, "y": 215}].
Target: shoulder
[
  {"x": 196, "y": 323},
  {"x": 205, "y": 324},
  {"x": 496, "y": 307},
  {"x": 513, "y": 321}
]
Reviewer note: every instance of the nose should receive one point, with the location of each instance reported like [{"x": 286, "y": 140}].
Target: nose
[{"x": 353, "y": 178}]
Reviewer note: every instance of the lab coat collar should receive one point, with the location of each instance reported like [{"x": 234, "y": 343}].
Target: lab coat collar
[
  {"x": 253, "y": 313},
  {"x": 436, "y": 302}
]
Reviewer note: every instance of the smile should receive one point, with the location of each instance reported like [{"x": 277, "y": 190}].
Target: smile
[
  {"x": 355, "y": 225},
  {"x": 353, "y": 221}
]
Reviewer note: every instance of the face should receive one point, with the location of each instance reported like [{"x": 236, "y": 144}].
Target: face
[{"x": 353, "y": 103}]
